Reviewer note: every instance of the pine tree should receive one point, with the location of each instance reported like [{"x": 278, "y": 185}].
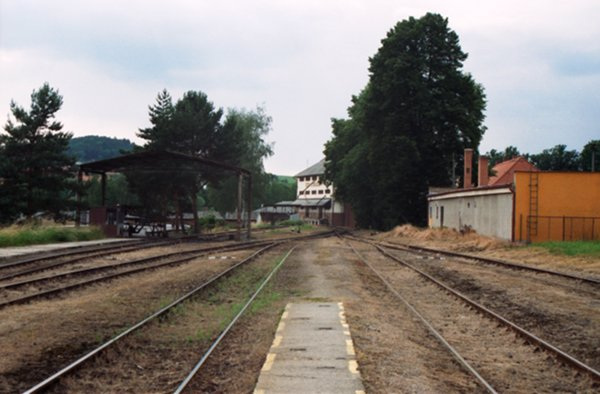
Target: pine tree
[{"x": 35, "y": 169}]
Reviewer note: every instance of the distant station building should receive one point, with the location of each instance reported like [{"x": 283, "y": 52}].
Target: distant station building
[
  {"x": 315, "y": 202},
  {"x": 520, "y": 203}
]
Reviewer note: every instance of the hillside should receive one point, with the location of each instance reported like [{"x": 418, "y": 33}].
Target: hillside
[{"x": 93, "y": 147}]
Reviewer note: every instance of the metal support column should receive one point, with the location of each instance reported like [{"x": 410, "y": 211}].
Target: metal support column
[
  {"x": 249, "y": 207},
  {"x": 103, "y": 189},
  {"x": 239, "y": 207},
  {"x": 78, "y": 207}
]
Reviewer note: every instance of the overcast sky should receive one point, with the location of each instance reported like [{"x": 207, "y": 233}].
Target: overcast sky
[{"x": 539, "y": 62}]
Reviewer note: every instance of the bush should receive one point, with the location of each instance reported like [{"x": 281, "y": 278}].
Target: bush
[
  {"x": 290, "y": 222},
  {"x": 32, "y": 235}
]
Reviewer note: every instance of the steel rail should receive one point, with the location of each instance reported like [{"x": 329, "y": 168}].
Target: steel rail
[
  {"x": 49, "y": 292},
  {"x": 58, "y": 290},
  {"x": 207, "y": 354},
  {"x": 464, "y": 363},
  {"x": 128, "y": 263},
  {"x": 61, "y": 263},
  {"x": 489, "y": 260},
  {"x": 530, "y": 337},
  {"x": 57, "y": 375},
  {"x": 30, "y": 258},
  {"x": 92, "y": 254}
]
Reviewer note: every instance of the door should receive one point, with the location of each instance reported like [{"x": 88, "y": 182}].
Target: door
[{"x": 442, "y": 216}]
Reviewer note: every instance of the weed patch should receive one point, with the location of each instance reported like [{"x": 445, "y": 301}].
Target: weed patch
[
  {"x": 572, "y": 248},
  {"x": 23, "y": 236}
]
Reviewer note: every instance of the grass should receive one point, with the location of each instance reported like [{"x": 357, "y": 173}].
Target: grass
[
  {"x": 572, "y": 248},
  {"x": 32, "y": 235}
]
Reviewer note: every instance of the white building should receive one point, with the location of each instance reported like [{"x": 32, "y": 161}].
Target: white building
[{"x": 315, "y": 202}]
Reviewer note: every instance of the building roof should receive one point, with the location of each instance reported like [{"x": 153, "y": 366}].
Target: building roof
[
  {"x": 306, "y": 202},
  {"x": 156, "y": 160},
  {"x": 471, "y": 192},
  {"x": 315, "y": 169},
  {"x": 505, "y": 170}
]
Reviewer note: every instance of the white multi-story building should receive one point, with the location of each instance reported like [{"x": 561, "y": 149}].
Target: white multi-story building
[{"x": 315, "y": 202}]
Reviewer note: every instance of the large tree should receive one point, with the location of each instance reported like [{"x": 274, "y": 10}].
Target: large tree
[
  {"x": 35, "y": 169},
  {"x": 591, "y": 155},
  {"x": 413, "y": 119}
]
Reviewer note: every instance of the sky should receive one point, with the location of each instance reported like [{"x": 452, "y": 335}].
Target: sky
[{"x": 539, "y": 62}]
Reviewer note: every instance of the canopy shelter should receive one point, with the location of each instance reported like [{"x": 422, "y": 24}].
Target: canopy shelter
[{"x": 161, "y": 161}]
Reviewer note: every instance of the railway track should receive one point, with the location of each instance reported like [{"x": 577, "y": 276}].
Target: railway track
[
  {"x": 50, "y": 285},
  {"x": 459, "y": 324},
  {"x": 73, "y": 366},
  {"x": 487, "y": 260}
]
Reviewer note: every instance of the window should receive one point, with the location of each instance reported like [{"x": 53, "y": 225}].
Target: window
[
  {"x": 301, "y": 192},
  {"x": 320, "y": 191},
  {"x": 327, "y": 191},
  {"x": 314, "y": 192},
  {"x": 430, "y": 212},
  {"x": 436, "y": 212}
]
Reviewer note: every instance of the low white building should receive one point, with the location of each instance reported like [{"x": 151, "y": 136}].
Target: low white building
[{"x": 487, "y": 210}]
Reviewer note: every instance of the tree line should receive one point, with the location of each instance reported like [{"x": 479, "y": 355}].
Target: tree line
[
  {"x": 37, "y": 168},
  {"x": 557, "y": 158}
]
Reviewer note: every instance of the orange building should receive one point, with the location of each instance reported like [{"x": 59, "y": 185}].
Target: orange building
[
  {"x": 521, "y": 203},
  {"x": 556, "y": 206}
]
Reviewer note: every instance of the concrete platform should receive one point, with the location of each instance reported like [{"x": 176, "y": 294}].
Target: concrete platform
[
  {"x": 31, "y": 249},
  {"x": 312, "y": 353}
]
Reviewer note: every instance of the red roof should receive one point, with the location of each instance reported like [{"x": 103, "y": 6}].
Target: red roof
[{"x": 505, "y": 170}]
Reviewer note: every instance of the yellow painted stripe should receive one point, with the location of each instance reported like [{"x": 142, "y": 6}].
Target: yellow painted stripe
[
  {"x": 269, "y": 362},
  {"x": 263, "y": 392},
  {"x": 349, "y": 347},
  {"x": 277, "y": 341},
  {"x": 281, "y": 327},
  {"x": 347, "y": 333},
  {"x": 284, "y": 315},
  {"x": 353, "y": 366}
]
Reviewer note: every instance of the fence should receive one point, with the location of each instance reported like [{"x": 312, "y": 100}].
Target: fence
[{"x": 560, "y": 228}]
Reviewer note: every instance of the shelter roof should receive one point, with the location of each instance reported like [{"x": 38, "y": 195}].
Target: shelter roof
[
  {"x": 156, "y": 160},
  {"x": 315, "y": 169},
  {"x": 306, "y": 202}
]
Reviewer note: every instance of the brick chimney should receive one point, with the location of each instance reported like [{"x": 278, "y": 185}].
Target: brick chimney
[
  {"x": 483, "y": 178},
  {"x": 468, "y": 166}
]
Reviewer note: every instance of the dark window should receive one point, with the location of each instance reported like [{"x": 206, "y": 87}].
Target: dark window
[
  {"x": 301, "y": 192},
  {"x": 327, "y": 191},
  {"x": 430, "y": 212},
  {"x": 320, "y": 191},
  {"x": 314, "y": 192}
]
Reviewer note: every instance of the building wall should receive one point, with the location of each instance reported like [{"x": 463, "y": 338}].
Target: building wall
[
  {"x": 311, "y": 187},
  {"x": 568, "y": 205},
  {"x": 488, "y": 213}
]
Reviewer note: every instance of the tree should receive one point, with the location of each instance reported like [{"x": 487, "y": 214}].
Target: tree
[
  {"x": 34, "y": 165},
  {"x": 557, "y": 158},
  {"x": 194, "y": 126},
  {"x": 591, "y": 152},
  {"x": 248, "y": 148},
  {"x": 415, "y": 116}
]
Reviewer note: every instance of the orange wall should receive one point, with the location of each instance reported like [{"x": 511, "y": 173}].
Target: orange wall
[{"x": 569, "y": 194}]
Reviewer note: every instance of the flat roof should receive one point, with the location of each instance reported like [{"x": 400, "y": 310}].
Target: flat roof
[
  {"x": 473, "y": 192},
  {"x": 156, "y": 160}
]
